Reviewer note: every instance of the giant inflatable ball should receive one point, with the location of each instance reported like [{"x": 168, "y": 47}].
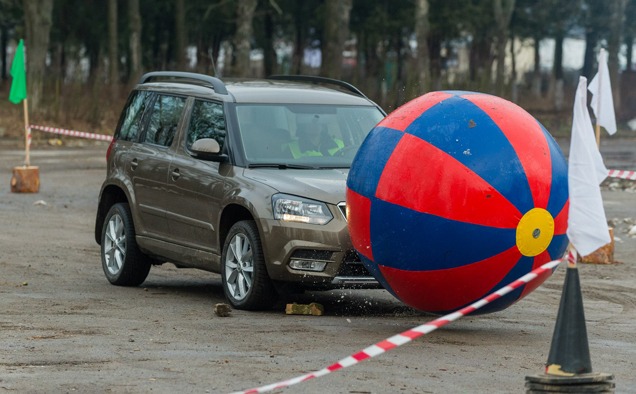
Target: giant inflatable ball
[{"x": 455, "y": 195}]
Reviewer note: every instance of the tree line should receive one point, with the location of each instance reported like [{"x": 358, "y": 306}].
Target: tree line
[{"x": 394, "y": 50}]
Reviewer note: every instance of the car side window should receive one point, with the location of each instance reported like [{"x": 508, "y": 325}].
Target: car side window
[
  {"x": 132, "y": 116},
  {"x": 164, "y": 119},
  {"x": 207, "y": 121}
]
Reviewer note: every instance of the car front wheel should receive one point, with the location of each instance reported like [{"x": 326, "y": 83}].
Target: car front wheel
[
  {"x": 245, "y": 280},
  {"x": 123, "y": 263}
]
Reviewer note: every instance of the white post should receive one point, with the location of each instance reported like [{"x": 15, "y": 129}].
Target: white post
[
  {"x": 598, "y": 102},
  {"x": 27, "y": 134}
]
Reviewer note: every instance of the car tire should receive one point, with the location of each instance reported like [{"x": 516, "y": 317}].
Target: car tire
[
  {"x": 246, "y": 283},
  {"x": 123, "y": 263}
]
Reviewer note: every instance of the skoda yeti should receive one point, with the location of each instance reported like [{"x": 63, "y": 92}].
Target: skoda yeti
[{"x": 245, "y": 178}]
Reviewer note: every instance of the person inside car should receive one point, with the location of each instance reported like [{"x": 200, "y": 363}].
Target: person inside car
[{"x": 314, "y": 141}]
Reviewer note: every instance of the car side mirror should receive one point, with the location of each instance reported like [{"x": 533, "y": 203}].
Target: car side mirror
[{"x": 207, "y": 149}]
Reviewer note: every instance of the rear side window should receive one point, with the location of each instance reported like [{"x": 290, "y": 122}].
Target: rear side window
[
  {"x": 164, "y": 119},
  {"x": 207, "y": 121},
  {"x": 133, "y": 114}
]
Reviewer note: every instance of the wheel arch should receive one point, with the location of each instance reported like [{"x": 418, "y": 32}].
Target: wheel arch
[
  {"x": 231, "y": 214},
  {"x": 111, "y": 195}
]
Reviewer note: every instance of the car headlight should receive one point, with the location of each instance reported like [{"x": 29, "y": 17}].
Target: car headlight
[{"x": 296, "y": 209}]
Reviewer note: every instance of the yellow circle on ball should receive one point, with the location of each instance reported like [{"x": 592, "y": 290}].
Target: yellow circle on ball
[{"x": 534, "y": 232}]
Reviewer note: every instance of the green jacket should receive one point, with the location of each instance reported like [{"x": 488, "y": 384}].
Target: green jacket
[{"x": 297, "y": 152}]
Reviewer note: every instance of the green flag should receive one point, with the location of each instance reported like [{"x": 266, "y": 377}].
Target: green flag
[{"x": 18, "y": 86}]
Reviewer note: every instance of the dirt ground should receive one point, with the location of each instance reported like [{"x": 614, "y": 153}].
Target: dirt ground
[{"x": 64, "y": 328}]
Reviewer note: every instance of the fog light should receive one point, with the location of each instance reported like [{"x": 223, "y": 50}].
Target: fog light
[{"x": 308, "y": 265}]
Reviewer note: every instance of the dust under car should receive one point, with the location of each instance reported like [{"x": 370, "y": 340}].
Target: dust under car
[{"x": 242, "y": 178}]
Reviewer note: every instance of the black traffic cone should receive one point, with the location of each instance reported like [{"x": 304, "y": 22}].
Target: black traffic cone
[
  {"x": 569, "y": 352},
  {"x": 569, "y": 366}
]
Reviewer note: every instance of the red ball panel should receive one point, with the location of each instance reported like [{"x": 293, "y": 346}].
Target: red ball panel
[
  {"x": 528, "y": 141},
  {"x": 404, "y": 183},
  {"x": 433, "y": 291}
]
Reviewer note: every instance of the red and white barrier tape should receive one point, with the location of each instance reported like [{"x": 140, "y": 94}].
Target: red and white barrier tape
[
  {"x": 73, "y": 133},
  {"x": 409, "y": 335},
  {"x": 623, "y": 174}
]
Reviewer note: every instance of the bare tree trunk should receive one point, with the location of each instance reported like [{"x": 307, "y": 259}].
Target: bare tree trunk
[
  {"x": 213, "y": 55},
  {"x": 336, "y": 32},
  {"x": 269, "y": 54},
  {"x": 591, "y": 39},
  {"x": 56, "y": 69},
  {"x": 536, "y": 75},
  {"x": 4, "y": 32},
  {"x": 423, "y": 63},
  {"x": 435, "y": 61},
  {"x": 629, "y": 56},
  {"x": 229, "y": 50},
  {"x": 37, "y": 15},
  {"x": 113, "y": 57},
  {"x": 244, "y": 18},
  {"x": 373, "y": 71},
  {"x": 617, "y": 8},
  {"x": 399, "y": 73},
  {"x": 481, "y": 63},
  {"x": 514, "y": 92},
  {"x": 503, "y": 12},
  {"x": 180, "y": 35},
  {"x": 299, "y": 38},
  {"x": 134, "y": 41},
  {"x": 556, "y": 81}
]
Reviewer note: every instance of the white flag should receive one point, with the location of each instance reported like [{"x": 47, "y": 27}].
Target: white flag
[
  {"x": 602, "y": 102},
  {"x": 587, "y": 225}
]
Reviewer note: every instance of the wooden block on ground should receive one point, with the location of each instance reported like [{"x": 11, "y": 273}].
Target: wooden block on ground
[
  {"x": 25, "y": 179},
  {"x": 314, "y": 309},
  {"x": 602, "y": 255}
]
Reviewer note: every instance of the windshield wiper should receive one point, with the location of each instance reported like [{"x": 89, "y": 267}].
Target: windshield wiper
[
  {"x": 336, "y": 167},
  {"x": 282, "y": 166}
]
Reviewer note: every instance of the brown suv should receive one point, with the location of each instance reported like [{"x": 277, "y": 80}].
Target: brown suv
[{"x": 244, "y": 178}]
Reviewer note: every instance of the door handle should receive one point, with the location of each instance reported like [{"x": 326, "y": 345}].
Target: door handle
[
  {"x": 175, "y": 174},
  {"x": 134, "y": 163}
]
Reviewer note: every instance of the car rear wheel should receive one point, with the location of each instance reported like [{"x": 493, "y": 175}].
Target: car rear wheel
[
  {"x": 245, "y": 280},
  {"x": 123, "y": 263}
]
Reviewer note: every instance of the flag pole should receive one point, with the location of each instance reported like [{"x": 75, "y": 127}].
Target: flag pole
[
  {"x": 27, "y": 134},
  {"x": 598, "y": 104},
  {"x": 598, "y": 134}
]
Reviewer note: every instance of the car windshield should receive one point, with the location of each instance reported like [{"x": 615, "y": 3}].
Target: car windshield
[{"x": 304, "y": 135}]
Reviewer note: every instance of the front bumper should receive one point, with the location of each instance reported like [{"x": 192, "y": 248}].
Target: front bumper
[{"x": 329, "y": 243}]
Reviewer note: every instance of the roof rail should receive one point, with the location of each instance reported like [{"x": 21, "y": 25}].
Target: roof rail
[
  {"x": 316, "y": 80},
  {"x": 217, "y": 84}
]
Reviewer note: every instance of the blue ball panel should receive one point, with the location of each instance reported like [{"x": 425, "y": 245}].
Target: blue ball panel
[
  {"x": 557, "y": 247},
  {"x": 371, "y": 159},
  {"x": 469, "y": 135},
  {"x": 430, "y": 239}
]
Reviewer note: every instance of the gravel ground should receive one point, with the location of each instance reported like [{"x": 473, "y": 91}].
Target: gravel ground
[{"x": 65, "y": 329}]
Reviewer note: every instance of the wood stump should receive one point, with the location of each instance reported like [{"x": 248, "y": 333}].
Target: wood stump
[
  {"x": 603, "y": 255},
  {"x": 25, "y": 179}
]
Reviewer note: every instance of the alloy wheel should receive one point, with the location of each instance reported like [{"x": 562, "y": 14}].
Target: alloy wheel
[
  {"x": 239, "y": 267},
  {"x": 115, "y": 244}
]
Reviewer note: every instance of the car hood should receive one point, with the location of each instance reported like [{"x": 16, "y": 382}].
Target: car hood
[{"x": 327, "y": 185}]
